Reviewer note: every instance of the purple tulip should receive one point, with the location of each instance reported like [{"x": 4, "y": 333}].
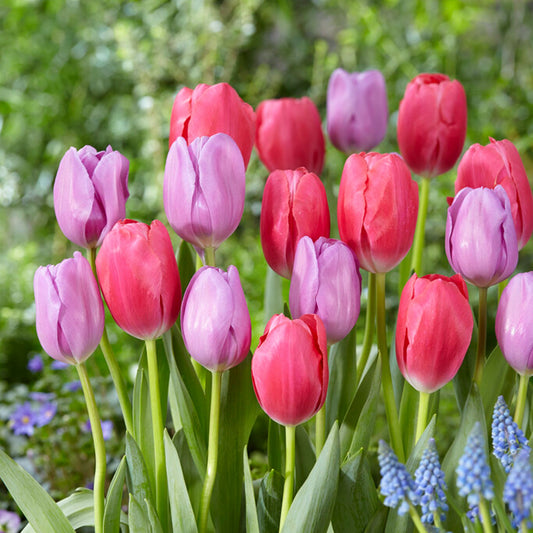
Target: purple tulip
[
  {"x": 90, "y": 194},
  {"x": 514, "y": 323},
  {"x": 215, "y": 322},
  {"x": 357, "y": 110},
  {"x": 203, "y": 189},
  {"x": 69, "y": 310},
  {"x": 326, "y": 282},
  {"x": 481, "y": 240}
]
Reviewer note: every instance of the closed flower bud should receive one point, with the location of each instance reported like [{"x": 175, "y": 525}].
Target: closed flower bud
[
  {"x": 432, "y": 124},
  {"x": 90, "y": 193},
  {"x": 290, "y": 369},
  {"x": 289, "y": 135},
  {"x": 326, "y": 282},
  {"x": 139, "y": 278},
  {"x": 357, "y": 110},
  {"x": 377, "y": 209},
  {"x": 480, "y": 236},
  {"x": 68, "y": 308},
  {"x": 215, "y": 322},
  {"x": 294, "y": 204},
  {"x": 434, "y": 330}
]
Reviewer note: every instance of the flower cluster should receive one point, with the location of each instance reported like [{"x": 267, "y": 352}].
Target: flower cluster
[{"x": 30, "y": 415}]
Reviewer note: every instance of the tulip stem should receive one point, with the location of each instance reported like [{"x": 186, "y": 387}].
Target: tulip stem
[
  {"x": 209, "y": 254},
  {"x": 370, "y": 320},
  {"x": 418, "y": 246},
  {"x": 485, "y": 516},
  {"x": 212, "y": 453},
  {"x": 521, "y": 400},
  {"x": 423, "y": 407},
  {"x": 320, "y": 430},
  {"x": 386, "y": 378},
  {"x": 482, "y": 335},
  {"x": 99, "y": 448},
  {"x": 288, "y": 487}
]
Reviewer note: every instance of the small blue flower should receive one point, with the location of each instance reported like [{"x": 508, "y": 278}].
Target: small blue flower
[
  {"x": 35, "y": 364},
  {"x": 72, "y": 386},
  {"x": 107, "y": 428},
  {"x": 518, "y": 490},
  {"x": 22, "y": 420},
  {"x": 45, "y": 414},
  {"x": 42, "y": 397},
  {"x": 59, "y": 365},
  {"x": 9, "y": 522}
]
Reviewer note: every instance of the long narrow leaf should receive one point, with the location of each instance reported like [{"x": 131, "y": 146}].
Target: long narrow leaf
[
  {"x": 252, "y": 523},
  {"x": 114, "y": 499}
]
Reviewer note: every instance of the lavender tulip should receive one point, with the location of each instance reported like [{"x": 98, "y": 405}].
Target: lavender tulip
[
  {"x": 203, "y": 190},
  {"x": 215, "y": 322},
  {"x": 90, "y": 194},
  {"x": 481, "y": 242},
  {"x": 69, "y": 310},
  {"x": 357, "y": 110},
  {"x": 326, "y": 282}
]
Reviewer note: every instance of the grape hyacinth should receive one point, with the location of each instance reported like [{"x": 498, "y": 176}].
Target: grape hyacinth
[{"x": 518, "y": 491}]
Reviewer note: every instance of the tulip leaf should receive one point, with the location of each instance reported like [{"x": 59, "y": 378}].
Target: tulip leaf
[
  {"x": 378, "y": 521},
  {"x": 305, "y": 457},
  {"x": 462, "y": 381},
  {"x": 113, "y": 502},
  {"x": 137, "y": 474},
  {"x": 153, "y": 519},
  {"x": 408, "y": 415},
  {"x": 269, "y": 502},
  {"x": 275, "y": 445},
  {"x": 273, "y": 304},
  {"x": 193, "y": 481},
  {"x": 252, "y": 522},
  {"x": 186, "y": 264},
  {"x": 499, "y": 478},
  {"x": 137, "y": 517}
]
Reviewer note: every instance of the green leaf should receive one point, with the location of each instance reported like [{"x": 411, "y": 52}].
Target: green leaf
[
  {"x": 153, "y": 519},
  {"x": 138, "y": 517},
  {"x": 273, "y": 302},
  {"x": 252, "y": 522},
  {"x": 379, "y": 520},
  {"x": 408, "y": 416},
  {"x": 40, "y": 510},
  {"x": 499, "y": 477},
  {"x": 275, "y": 445},
  {"x": 114, "y": 499},
  {"x": 186, "y": 263},
  {"x": 462, "y": 381},
  {"x": 137, "y": 474},
  {"x": 193, "y": 481},
  {"x": 305, "y": 457},
  {"x": 269, "y": 502}
]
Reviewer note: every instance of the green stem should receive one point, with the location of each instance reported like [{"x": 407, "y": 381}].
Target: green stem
[
  {"x": 415, "y": 517},
  {"x": 482, "y": 335},
  {"x": 386, "y": 378},
  {"x": 418, "y": 246},
  {"x": 288, "y": 487},
  {"x": 521, "y": 400},
  {"x": 320, "y": 430},
  {"x": 99, "y": 449},
  {"x": 423, "y": 407},
  {"x": 158, "y": 428},
  {"x": 212, "y": 453},
  {"x": 485, "y": 516},
  {"x": 209, "y": 256},
  {"x": 436, "y": 518},
  {"x": 369, "y": 325}
]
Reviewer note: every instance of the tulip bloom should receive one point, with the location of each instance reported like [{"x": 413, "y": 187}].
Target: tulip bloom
[
  {"x": 90, "y": 193},
  {"x": 69, "y": 310},
  {"x": 215, "y": 322},
  {"x": 357, "y": 110},
  {"x": 290, "y": 369},
  {"x": 433, "y": 331},
  {"x": 499, "y": 163},
  {"x": 432, "y": 124},
  {"x": 210, "y": 109},
  {"x": 289, "y": 135},
  {"x": 326, "y": 281},
  {"x": 514, "y": 323},
  {"x": 377, "y": 209},
  {"x": 294, "y": 204},
  {"x": 480, "y": 236},
  {"x": 203, "y": 189},
  {"x": 139, "y": 278}
]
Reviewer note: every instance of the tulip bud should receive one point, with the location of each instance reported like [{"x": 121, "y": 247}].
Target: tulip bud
[
  {"x": 432, "y": 124},
  {"x": 68, "y": 308},
  {"x": 203, "y": 189},
  {"x": 499, "y": 163},
  {"x": 433, "y": 331},
  {"x": 377, "y": 209},
  {"x": 90, "y": 193},
  {"x": 357, "y": 110},
  {"x": 290, "y": 369},
  {"x": 326, "y": 282},
  {"x": 289, "y": 135},
  {"x": 215, "y": 322},
  {"x": 210, "y": 109},
  {"x": 480, "y": 236},
  {"x": 139, "y": 278},
  {"x": 514, "y": 323},
  {"x": 294, "y": 204}
]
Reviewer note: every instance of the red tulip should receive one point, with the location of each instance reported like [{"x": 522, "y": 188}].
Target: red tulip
[
  {"x": 499, "y": 163},
  {"x": 294, "y": 205},
  {"x": 139, "y": 278},
  {"x": 432, "y": 124},
  {"x": 290, "y": 368},
  {"x": 434, "y": 330},
  {"x": 289, "y": 135},
  {"x": 210, "y": 109},
  {"x": 377, "y": 209}
]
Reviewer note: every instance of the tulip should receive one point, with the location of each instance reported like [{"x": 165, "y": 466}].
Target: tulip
[
  {"x": 203, "y": 189},
  {"x": 377, "y": 209},
  {"x": 90, "y": 193},
  {"x": 326, "y": 281},
  {"x": 69, "y": 310},
  {"x": 139, "y": 278},
  {"x": 480, "y": 236},
  {"x": 210, "y": 109},
  {"x": 289, "y": 135},
  {"x": 290, "y": 368},
  {"x": 499, "y": 163},
  {"x": 294, "y": 204},
  {"x": 432, "y": 124},
  {"x": 357, "y": 110},
  {"x": 215, "y": 322},
  {"x": 433, "y": 331}
]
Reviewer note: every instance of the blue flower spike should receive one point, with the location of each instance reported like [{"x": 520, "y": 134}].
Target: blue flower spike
[{"x": 518, "y": 491}]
